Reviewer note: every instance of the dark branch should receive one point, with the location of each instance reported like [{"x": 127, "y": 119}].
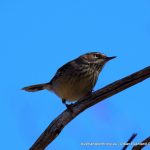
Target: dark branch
[
  {"x": 129, "y": 141},
  {"x": 65, "y": 117},
  {"x": 144, "y": 143}
]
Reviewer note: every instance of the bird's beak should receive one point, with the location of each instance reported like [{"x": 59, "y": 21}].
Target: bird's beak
[{"x": 109, "y": 58}]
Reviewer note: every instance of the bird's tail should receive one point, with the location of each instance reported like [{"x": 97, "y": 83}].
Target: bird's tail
[{"x": 37, "y": 87}]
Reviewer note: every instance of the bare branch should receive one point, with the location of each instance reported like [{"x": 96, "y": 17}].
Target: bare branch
[
  {"x": 129, "y": 141},
  {"x": 65, "y": 117},
  {"x": 144, "y": 143}
]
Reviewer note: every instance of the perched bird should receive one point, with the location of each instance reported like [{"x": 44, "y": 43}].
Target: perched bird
[{"x": 76, "y": 78}]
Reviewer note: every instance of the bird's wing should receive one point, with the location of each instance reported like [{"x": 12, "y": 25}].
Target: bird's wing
[{"x": 62, "y": 70}]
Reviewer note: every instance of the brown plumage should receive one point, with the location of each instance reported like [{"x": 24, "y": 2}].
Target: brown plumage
[{"x": 76, "y": 78}]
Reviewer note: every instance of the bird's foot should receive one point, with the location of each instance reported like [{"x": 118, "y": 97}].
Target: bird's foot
[
  {"x": 68, "y": 106},
  {"x": 90, "y": 92}
]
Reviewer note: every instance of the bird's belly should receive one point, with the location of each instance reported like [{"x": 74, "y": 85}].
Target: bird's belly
[{"x": 73, "y": 91}]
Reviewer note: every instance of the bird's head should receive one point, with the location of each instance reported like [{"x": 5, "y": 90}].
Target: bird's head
[{"x": 96, "y": 58}]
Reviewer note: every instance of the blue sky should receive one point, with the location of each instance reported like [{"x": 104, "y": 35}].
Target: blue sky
[{"x": 37, "y": 37}]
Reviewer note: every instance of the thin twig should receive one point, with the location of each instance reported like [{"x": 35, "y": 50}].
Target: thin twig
[
  {"x": 144, "y": 143},
  {"x": 129, "y": 141},
  {"x": 65, "y": 117}
]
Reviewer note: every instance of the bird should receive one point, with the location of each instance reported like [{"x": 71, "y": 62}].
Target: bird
[{"x": 75, "y": 79}]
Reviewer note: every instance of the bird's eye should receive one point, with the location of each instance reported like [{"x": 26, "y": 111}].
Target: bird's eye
[{"x": 96, "y": 56}]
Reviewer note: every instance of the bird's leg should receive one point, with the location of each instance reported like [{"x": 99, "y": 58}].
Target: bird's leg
[
  {"x": 67, "y": 105},
  {"x": 64, "y": 101},
  {"x": 90, "y": 92}
]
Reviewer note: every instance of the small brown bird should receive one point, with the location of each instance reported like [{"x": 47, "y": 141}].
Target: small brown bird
[{"x": 76, "y": 78}]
